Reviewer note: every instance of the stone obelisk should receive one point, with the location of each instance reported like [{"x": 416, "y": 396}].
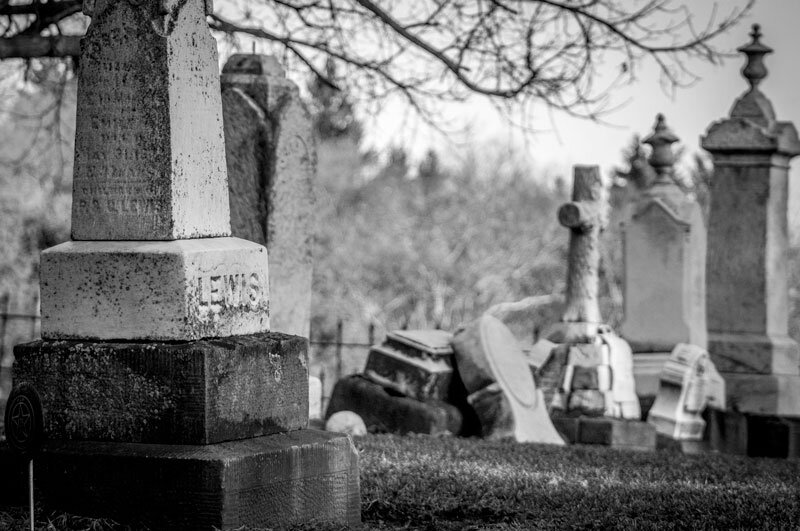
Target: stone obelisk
[{"x": 160, "y": 396}]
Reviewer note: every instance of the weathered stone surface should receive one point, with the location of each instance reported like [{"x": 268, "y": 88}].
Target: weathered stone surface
[
  {"x": 501, "y": 388},
  {"x": 753, "y": 435},
  {"x": 271, "y": 154},
  {"x": 664, "y": 253},
  {"x": 416, "y": 377},
  {"x": 664, "y": 288},
  {"x": 616, "y": 433},
  {"x": 423, "y": 343},
  {"x": 383, "y": 411},
  {"x": 689, "y": 383},
  {"x": 181, "y": 290},
  {"x": 195, "y": 392},
  {"x": 747, "y": 233},
  {"x": 266, "y": 482},
  {"x": 149, "y": 157}
]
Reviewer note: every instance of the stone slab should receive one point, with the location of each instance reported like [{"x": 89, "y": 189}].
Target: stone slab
[
  {"x": 272, "y": 166},
  {"x": 277, "y": 480},
  {"x": 149, "y": 152},
  {"x": 615, "y": 433},
  {"x": 383, "y": 411},
  {"x": 179, "y": 290},
  {"x": 754, "y": 354},
  {"x": 753, "y": 435},
  {"x": 501, "y": 387},
  {"x": 418, "y": 378},
  {"x": 431, "y": 342},
  {"x": 195, "y": 392},
  {"x": 647, "y": 368},
  {"x": 763, "y": 394}
]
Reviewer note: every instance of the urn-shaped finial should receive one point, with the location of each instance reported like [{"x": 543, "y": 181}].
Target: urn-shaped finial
[
  {"x": 662, "y": 158},
  {"x": 755, "y": 70}
]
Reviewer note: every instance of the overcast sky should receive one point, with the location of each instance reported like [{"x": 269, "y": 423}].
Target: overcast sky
[{"x": 572, "y": 141}]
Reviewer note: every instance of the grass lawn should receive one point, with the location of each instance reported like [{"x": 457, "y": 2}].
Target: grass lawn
[{"x": 430, "y": 483}]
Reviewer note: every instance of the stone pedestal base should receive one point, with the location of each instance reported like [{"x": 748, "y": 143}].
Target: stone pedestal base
[
  {"x": 763, "y": 394},
  {"x": 753, "y": 435},
  {"x": 385, "y": 412},
  {"x": 300, "y": 476},
  {"x": 151, "y": 290},
  {"x": 647, "y": 368},
  {"x": 754, "y": 354},
  {"x": 616, "y": 433},
  {"x": 194, "y": 392}
]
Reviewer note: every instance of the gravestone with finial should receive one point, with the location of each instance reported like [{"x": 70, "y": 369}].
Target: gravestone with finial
[
  {"x": 166, "y": 402},
  {"x": 588, "y": 374},
  {"x": 747, "y": 276},
  {"x": 664, "y": 246}
]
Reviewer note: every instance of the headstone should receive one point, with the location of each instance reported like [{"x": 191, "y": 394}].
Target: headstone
[
  {"x": 664, "y": 257},
  {"x": 500, "y": 385},
  {"x": 167, "y": 402},
  {"x": 383, "y": 410},
  {"x": 271, "y": 154},
  {"x": 689, "y": 384},
  {"x": 415, "y": 363},
  {"x": 747, "y": 286},
  {"x": 590, "y": 369},
  {"x": 664, "y": 252}
]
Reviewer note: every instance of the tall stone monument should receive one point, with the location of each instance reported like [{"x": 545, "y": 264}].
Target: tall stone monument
[
  {"x": 269, "y": 141},
  {"x": 664, "y": 256},
  {"x": 162, "y": 398},
  {"x": 747, "y": 290}
]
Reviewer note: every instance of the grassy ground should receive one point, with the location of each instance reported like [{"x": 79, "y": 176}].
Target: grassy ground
[{"x": 448, "y": 483}]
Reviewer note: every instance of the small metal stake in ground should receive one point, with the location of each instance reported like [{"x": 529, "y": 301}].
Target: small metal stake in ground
[{"x": 23, "y": 423}]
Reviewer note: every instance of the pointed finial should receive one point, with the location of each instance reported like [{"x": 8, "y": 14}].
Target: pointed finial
[
  {"x": 661, "y": 158},
  {"x": 754, "y": 71}
]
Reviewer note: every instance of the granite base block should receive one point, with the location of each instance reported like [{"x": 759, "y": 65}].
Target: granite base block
[
  {"x": 195, "y": 392},
  {"x": 737, "y": 433},
  {"x": 282, "y": 479},
  {"x": 763, "y": 394},
  {"x": 616, "y": 433},
  {"x": 383, "y": 411}
]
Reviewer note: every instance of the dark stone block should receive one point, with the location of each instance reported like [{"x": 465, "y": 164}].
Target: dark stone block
[
  {"x": 383, "y": 411},
  {"x": 616, "y": 433},
  {"x": 276, "y": 480},
  {"x": 196, "y": 392},
  {"x": 417, "y": 377},
  {"x": 753, "y": 435}
]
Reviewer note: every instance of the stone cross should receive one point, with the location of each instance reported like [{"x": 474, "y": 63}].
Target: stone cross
[
  {"x": 585, "y": 216},
  {"x": 747, "y": 280}
]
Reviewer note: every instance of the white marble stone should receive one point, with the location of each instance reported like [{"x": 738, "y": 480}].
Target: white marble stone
[
  {"x": 178, "y": 290},
  {"x": 149, "y": 151},
  {"x": 314, "y": 398},
  {"x": 346, "y": 422}
]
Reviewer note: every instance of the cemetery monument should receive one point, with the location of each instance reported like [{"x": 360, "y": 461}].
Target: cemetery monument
[{"x": 161, "y": 397}]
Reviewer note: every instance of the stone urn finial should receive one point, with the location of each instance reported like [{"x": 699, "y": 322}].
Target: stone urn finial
[
  {"x": 755, "y": 70},
  {"x": 662, "y": 158}
]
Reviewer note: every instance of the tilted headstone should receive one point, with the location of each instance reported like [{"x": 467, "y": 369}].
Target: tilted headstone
[
  {"x": 415, "y": 363},
  {"x": 664, "y": 258},
  {"x": 500, "y": 384},
  {"x": 157, "y": 354},
  {"x": 689, "y": 383},
  {"x": 271, "y": 154},
  {"x": 746, "y": 281},
  {"x": 590, "y": 370}
]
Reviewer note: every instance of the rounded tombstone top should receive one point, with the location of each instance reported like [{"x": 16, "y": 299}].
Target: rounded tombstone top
[{"x": 755, "y": 70}]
